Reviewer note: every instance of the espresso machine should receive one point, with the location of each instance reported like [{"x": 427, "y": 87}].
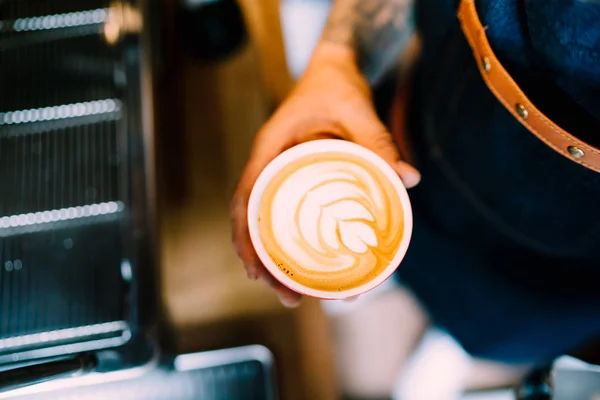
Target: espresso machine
[{"x": 80, "y": 315}]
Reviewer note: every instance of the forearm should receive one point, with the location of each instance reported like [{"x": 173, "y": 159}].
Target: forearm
[{"x": 376, "y": 31}]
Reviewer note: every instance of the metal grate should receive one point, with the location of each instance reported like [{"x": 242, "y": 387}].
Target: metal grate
[
  {"x": 247, "y": 378},
  {"x": 241, "y": 381},
  {"x": 13, "y": 9},
  {"x": 63, "y": 160},
  {"x": 51, "y": 72},
  {"x": 57, "y": 169},
  {"x": 59, "y": 279}
]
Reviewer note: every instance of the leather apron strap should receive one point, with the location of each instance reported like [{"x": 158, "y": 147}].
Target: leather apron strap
[{"x": 512, "y": 97}]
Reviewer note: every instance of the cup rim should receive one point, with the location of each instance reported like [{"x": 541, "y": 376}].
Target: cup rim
[{"x": 323, "y": 146}]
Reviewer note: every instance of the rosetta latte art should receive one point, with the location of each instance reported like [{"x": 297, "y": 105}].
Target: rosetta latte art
[{"x": 331, "y": 221}]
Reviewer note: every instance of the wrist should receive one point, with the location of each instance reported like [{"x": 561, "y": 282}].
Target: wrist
[
  {"x": 328, "y": 53},
  {"x": 332, "y": 67}
]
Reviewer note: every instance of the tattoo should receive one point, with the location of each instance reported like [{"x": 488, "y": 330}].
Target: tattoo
[{"x": 377, "y": 30}]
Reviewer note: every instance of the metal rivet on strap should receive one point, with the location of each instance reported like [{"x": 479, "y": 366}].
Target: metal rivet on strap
[
  {"x": 486, "y": 64},
  {"x": 576, "y": 152},
  {"x": 522, "y": 111}
]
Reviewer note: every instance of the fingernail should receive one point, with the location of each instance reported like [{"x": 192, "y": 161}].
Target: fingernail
[
  {"x": 411, "y": 180},
  {"x": 289, "y": 303},
  {"x": 251, "y": 272},
  {"x": 409, "y": 175}
]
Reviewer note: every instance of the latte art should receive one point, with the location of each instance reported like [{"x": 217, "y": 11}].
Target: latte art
[{"x": 331, "y": 221}]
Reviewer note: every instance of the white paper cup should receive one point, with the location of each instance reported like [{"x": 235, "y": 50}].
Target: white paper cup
[{"x": 324, "y": 146}]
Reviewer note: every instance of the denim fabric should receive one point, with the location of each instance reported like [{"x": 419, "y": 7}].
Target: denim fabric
[{"x": 506, "y": 246}]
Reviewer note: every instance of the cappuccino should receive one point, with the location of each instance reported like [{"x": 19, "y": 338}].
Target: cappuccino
[{"x": 331, "y": 220}]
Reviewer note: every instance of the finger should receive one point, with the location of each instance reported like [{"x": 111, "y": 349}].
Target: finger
[
  {"x": 254, "y": 267},
  {"x": 287, "y": 297},
  {"x": 241, "y": 238},
  {"x": 266, "y": 148},
  {"x": 410, "y": 175},
  {"x": 383, "y": 145},
  {"x": 372, "y": 134},
  {"x": 260, "y": 156}
]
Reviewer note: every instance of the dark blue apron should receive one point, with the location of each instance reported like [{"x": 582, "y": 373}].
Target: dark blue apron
[{"x": 506, "y": 247}]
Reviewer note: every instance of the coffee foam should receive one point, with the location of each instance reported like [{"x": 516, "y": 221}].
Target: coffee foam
[{"x": 331, "y": 221}]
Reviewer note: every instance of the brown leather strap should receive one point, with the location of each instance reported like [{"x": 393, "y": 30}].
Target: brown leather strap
[{"x": 515, "y": 101}]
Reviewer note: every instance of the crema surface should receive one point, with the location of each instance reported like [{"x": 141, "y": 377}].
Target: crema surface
[{"x": 331, "y": 221}]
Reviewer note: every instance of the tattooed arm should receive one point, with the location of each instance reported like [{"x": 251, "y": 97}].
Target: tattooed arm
[{"x": 376, "y": 30}]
